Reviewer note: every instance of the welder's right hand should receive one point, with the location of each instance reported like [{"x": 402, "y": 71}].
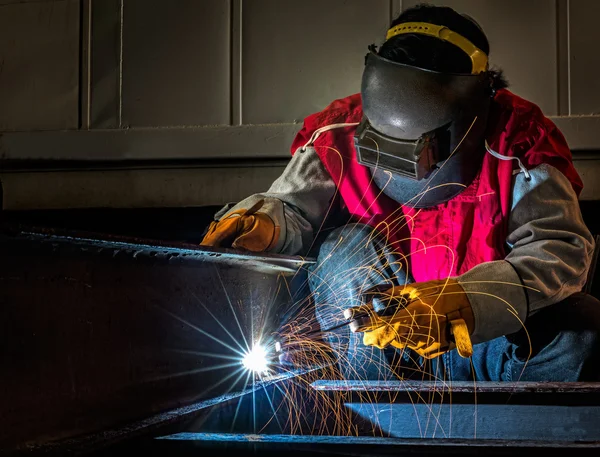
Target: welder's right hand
[
  {"x": 431, "y": 318},
  {"x": 244, "y": 229}
]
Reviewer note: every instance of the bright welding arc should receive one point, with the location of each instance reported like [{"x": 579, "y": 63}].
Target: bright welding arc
[{"x": 256, "y": 359}]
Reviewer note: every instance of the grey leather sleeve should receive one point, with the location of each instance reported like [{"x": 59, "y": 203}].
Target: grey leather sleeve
[
  {"x": 550, "y": 247},
  {"x": 298, "y": 201},
  {"x": 550, "y": 251}
]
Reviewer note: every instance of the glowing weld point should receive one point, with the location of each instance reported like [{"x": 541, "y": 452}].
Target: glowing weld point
[{"x": 256, "y": 360}]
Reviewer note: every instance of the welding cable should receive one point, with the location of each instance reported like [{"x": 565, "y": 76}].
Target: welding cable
[
  {"x": 502, "y": 157},
  {"x": 324, "y": 129}
]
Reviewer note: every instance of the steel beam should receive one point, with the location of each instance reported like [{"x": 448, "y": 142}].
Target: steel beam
[{"x": 97, "y": 331}]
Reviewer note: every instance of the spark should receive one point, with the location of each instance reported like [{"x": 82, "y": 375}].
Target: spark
[{"x": 294, "y": 406}]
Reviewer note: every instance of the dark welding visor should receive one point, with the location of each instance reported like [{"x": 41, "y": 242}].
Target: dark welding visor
[
  {"x": 411, "y": 158},
  {"x": 416, "y": 118}
]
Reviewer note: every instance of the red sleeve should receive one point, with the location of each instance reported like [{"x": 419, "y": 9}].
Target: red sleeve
[
  {"x": 528, "y": 134},
  {"x": 337, "y": 111},
  {"x": 547, "y": 144}
]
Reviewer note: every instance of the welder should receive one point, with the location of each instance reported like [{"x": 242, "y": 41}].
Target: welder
[{"x": 460, "y": 195}]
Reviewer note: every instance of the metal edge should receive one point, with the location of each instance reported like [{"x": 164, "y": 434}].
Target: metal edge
[
  {"x": 45, "y": 166},
  {"x": 457, "y": 387},
  {"x": 339, "y": 441},
  {"x": 134, "y": 244}
]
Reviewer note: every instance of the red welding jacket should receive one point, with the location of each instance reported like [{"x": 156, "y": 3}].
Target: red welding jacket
[{"x": 451, "y": 238}]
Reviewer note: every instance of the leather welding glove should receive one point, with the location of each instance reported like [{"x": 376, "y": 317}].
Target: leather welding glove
[
  {"x": 246, "y": 229},
  {"x": 430, "y": 318}
]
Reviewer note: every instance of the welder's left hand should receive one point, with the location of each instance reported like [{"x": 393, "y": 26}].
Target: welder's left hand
[
  {"x": 432, "y": 318},
  {"x": 247, "y": 229}
]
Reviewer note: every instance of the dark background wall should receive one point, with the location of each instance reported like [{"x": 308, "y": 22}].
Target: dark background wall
[{"x": 170, "y": 103}]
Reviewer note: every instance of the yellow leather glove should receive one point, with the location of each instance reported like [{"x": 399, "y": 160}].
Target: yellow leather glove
[
  {"x": 430, "y": 318},
  {"x": 243, "y": 229}
]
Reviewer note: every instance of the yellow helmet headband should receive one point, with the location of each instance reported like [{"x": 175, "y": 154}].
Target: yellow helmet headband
[{"x": 478, "y": 58}]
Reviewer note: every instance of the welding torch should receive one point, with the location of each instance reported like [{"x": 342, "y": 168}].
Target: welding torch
[
  {"x": 377, "y": 301},
  {"x": 358, "y": 319}
]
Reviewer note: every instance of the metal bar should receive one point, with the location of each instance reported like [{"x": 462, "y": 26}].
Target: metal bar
[
  {"x": 563, "y": 57},
  {"x": 98, "y": 331},
  {"x": 105, "y": 54},
  {"x": 339, "y": 441},
  {"x": 458, "y": 387},
  {"x": 569, "y": 57},
  {"x": 120, "y": 67},
  {"x": 236, "y": 61},
  {"x": 85, "y": 79}
]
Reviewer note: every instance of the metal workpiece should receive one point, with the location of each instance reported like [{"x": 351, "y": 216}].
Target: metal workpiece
[
  {"x": 99, "y": 331},
  {"x": 232, "y": 410},
  {"x": 119, "y": 345},
  {"x": 371, "y": 446},
  {"x": 418, "y": 416},
  {"x": 448, "y": 386},
  {"x": 153, "y": 249}
]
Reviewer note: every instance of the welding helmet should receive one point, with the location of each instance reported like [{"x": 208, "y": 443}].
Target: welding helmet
[{"x": 422, "y": 132}]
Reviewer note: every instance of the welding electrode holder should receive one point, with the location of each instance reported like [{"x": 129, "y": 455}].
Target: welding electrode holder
[
  {"x": 360, "y": 319},
  {"x": 355, "y": 318}
]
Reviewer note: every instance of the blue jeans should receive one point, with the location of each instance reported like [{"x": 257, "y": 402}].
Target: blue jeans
[{"x": 564, "y": 337}]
